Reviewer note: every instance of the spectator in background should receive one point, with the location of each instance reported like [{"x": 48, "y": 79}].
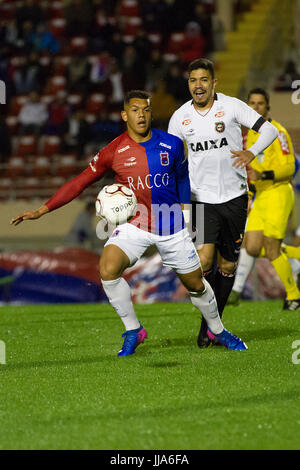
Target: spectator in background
[
  {"x": 44, "y": 41},
  {"x": 58, "y": 113},
  {"x": 290, "y": 74},
  {"x": 28, "y": 10},
  {"x": 142, "y": 45},
  {"x": 99, "y": 71},
  {"x": 163, "y": 105},
  {"x": 78, "y": 72},
  {"x": 82, "y": 232},
  {"x": 8, "y": 32},
  {"x": 76, "y": 133},
  {"x": 204, "y": 19},
  {"x": 29, "y": 76},
  {"x": 116, "y": 46},
  {"x": 5, "y": 147},
  {"x": 115, "y": 87},
  {"x": 156, "y": 69},
  {"x": 79, "y": 17},
  {"x": 133, "y": 70},
  {"x": 154, "y": 15},
  {"x": 176, "y": 83},
  {"x": 33, "y": 115},
  {"x": 102, "y": 131},
  {"x": 193, "y": 45}
]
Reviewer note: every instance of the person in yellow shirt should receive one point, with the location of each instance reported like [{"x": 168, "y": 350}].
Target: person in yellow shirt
[{"x": 271, "y": 173}]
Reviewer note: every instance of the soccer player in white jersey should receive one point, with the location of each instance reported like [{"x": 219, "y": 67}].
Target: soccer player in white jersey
[
  {"x": 130, "y": 240},
  {"x": 210, "y": 125}
]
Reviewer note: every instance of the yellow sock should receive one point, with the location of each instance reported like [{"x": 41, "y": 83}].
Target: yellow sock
[
  {"x": 284, "y": 271},
  {"x": 291, "y": 251}
]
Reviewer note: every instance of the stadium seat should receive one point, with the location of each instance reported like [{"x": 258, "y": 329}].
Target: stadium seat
[
  {"x": 95, "y": 103},
  {"x": 31, "y": 187},
  {"x": 12, "y": 124},
  {"x": 17, "y": 60},
  {"x": 67, "y": 165},
  {"x": 61, "y": 63},
  {"x": 49, "y": 145},
  {"x": 57, "y": 83},
  {"x": 90, "y": 117},
  {"x": 129, "y": 8},
  {"x": 25, "y": 145},
  {"x": 57, "y": 27},
  {"x": 78, "y": 43},
  {"x": 55, "y": 182},
  {"x": 15, "y": 167},
  {"x": 175, "y": 42},
  {"x": 7, "y": 11},
  {"x": 74, "y": 99},
  {"x": 6, "y": 187},
  {"x": 41, "y": 166},
  {"x": 133, "y": 24},
  {"x": 155, "y": 39},
  {"x": 17, "y": 103},
  {"x": 47, "y": 99},
  {"x": 56, "y": 9}
]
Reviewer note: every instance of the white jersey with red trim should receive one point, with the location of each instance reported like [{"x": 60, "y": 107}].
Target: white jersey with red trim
[{"x": 209, "y": 137}]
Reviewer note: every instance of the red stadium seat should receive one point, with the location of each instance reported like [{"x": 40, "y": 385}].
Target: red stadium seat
[
  {"x": 67, "y": 165},
  {"x": 57, "y": 83},
  {"x": 47, "y": 99},
  {"x": 133, "y": 24},
  {"x": 61, "y": 63},
  {"x": 41, "y": 166},
  {"x": 12, "y": 124},
  {"x": 57, "y": 27},
  {"x": 7, "y": 186},
  {"x": 26, "y": 145},
  {"x": 17, "y": 60},
  {"x": 74, "y": 99},
  {"x": 7, "y": 11},
  {"x": 175, "y": 42},
  {"x": 95, "y": 103},
  {"x": 56, "y": 9},
  {"x": 79, "y": 43},
  {"x": 155, "y": 39},
  {"x": 17, "y": 103},
  {"x": 55, "y": 182},
  {"x": 49, "y": 145},
  {"x": 129, "y": 8},
  {"x": 15, "y": 167}
]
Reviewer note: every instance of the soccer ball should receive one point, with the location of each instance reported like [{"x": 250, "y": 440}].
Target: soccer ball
[{"x": 116, "y": 203}]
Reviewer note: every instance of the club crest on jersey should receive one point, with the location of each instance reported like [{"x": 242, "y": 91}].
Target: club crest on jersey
[
  {"x": 220, "y": 126},
  {"x": 164, "y": 158}
]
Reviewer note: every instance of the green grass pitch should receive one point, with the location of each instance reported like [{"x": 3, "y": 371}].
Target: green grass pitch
[{"x": 63, "y": 386}]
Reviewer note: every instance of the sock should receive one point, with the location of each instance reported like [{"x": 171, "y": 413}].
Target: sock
[
  {"x": 223, "y": 286},
  {"x": 245, "y": 266},
  {"x": 291, "y": 251},
  {"x": 210, "y": 277},
  {"x": 119, "y": 296},
  {"x": 206, "y": 302},
  {"x": 284, "y": 271}
]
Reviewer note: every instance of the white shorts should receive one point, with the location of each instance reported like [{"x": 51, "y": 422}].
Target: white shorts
[{"x": 177, "y": 251}]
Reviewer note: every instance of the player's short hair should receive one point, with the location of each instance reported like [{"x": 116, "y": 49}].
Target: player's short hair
[
  {"x": 202, "y": 64},
  {"x": 141, "y": 94},
  {"x": 259, "y": 91}
]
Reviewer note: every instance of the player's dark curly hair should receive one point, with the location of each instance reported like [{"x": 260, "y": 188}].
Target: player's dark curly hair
[
  {"x": 202, "y": 63},
  {"x": 141, "y": 94}
]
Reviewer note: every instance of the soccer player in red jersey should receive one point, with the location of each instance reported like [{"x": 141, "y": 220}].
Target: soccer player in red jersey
[{"x": 152, "y": 163}]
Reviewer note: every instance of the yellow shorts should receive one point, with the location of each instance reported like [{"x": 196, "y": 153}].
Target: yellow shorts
[{"x": 271, "y": 210}]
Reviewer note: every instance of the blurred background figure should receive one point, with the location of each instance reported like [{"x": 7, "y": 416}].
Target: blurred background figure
[
  {"x": 82, "y": 232},
  {"x": 33, "y": 115}
]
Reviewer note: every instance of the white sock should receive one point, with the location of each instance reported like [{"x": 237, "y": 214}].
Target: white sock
[
  {"x": 206, "y": 302},
  {"x": 119, "y": 296},
  {"x": 295, "y": 265},
  {"x": 245, "y": 266}
]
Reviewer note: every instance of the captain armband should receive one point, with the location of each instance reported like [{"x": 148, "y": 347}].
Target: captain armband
[{"x": 267, "y": 175}]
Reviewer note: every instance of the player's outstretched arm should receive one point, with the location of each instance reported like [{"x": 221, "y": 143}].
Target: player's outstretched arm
[
  {"x": 242, "y": 158},
  {"x": 29, "y": 215}
]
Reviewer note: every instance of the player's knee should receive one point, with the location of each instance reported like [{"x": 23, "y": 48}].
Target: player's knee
[
  {"x": 253, "y": 250},
  {"x": 109, "y": 270},
  {"x": 227, "y": 267}
]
